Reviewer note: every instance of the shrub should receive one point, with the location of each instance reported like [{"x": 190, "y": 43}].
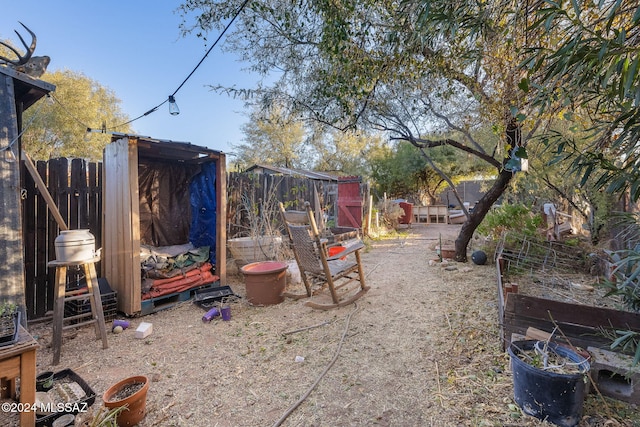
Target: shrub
[{"x": 503, "y": 218}]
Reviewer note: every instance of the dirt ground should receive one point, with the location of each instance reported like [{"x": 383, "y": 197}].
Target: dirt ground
[{"x": 421, "y": 348}]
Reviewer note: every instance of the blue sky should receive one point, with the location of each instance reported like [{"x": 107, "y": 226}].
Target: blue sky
[{"x": 134, "y": 48}]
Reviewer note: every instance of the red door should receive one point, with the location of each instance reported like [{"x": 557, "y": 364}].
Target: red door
[{"x": 349, "y": 202}]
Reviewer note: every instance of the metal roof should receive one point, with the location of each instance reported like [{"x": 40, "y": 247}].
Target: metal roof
[
  {"x": 162, "y": 149},
  {"x": 321, "y": 176}
]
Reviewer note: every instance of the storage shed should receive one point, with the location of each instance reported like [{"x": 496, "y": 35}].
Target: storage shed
[{"x": 159, "y": 194}]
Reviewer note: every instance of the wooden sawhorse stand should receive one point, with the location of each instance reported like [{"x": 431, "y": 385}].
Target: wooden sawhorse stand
[{"x": 62, "y": 296}]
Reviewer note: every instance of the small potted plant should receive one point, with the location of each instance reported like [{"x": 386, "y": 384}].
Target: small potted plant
[
  {"x": 9, "y": 323},
  {"x": 130, "y": 393}
]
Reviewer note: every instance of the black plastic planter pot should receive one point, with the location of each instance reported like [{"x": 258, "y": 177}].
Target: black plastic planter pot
[{"x": 555, "y": 397}]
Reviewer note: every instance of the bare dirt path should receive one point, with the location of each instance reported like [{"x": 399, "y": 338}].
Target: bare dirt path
[{"x": 421, "y": 348}]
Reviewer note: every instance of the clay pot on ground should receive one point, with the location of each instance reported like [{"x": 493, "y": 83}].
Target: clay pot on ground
[
  {"x": 131, "y": 392},
  {"x": 265, "y": 282}
]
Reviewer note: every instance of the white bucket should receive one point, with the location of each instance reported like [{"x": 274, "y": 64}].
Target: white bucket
[
  {"x": 75, "y": 246},
  {"x": 248, "y": 249}
]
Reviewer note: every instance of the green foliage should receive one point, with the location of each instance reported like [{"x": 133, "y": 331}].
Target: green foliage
[
  {"x": 273, "y": 137},
  {"x": 346, "y": 151},
  {"x": 58, "y": 128},
  {"x": 586, "y": 67},
  {"x": 8, "y": 308},
  {"x": 626, "y": 277},
  {"x": 401, "y": 172},
  {"x": 433, "y": 74},
  {"x": 516, "y": 217},
  {"x": 106, "y": 417}
]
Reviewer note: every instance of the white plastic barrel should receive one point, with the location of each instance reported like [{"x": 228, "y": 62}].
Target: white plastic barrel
[{"x": 75, "y": 246}]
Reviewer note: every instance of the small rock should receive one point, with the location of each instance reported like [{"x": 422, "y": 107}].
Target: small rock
[{"x": 155, "y": 377}]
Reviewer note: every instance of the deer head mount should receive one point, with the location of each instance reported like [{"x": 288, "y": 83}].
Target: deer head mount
[
  {"x": 22, "y": 59},
  {"x": 34, "y": 66}
]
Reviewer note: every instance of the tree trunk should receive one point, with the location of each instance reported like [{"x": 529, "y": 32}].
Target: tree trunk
[
  {"x": 479, "y": 212},
  {"x": 513, "y": 137}
]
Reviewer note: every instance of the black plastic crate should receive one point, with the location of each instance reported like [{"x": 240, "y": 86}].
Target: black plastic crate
[
  {"x": 209, "y": 297},
  {"x": 12, "y": 339},
  {"x": 67, "y": 375},
  {"x": 109, "y": 299}
]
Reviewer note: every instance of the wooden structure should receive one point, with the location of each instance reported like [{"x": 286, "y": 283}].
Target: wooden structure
[
  {"x": 582, "y": 324},
  {"x": 431, "y": 214},
  {"x": 75, "y": 187},
  {"x": 18, "y": 92},
  {"x": 19, "y": 362},
  {"x": 320, "y": 270},
  {"x": 95, "y": 316},
  {"x": 265, "y": 190},
  {"x": 128, "y": 219},
  {"x": 350, "y": 203}
]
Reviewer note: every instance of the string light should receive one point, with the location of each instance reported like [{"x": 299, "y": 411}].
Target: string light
[{"x": 173, "y": 107}]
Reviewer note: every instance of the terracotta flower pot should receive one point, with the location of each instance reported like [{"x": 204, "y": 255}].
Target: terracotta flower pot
[
  {"x": 265, "y": 282},
  {"x": 136, "y": 403}
]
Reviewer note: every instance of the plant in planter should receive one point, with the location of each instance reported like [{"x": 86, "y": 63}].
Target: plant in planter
[
  {"x": 9, "y": 323},
  {"x": 549, "y": 381},
  {"x": 262, "y": 237},
  {"x": 131, "y": 394}
]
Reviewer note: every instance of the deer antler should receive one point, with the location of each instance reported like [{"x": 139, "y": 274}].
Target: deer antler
[{"x": 30, "y": 49}]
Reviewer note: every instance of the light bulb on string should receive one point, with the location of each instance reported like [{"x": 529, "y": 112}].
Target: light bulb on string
[
  {"x": 173, "y": 107},
  {"x": 8, "y": 155}
]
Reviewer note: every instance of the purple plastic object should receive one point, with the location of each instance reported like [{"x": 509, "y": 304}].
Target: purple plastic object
[
  {"x": 226, "y": 313},
  {"x": 209, "y": 315},
  {"x": 122, "y": 323}
]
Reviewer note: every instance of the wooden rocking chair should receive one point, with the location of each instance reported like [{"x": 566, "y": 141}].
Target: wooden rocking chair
[{"x": 320, "y": 271}]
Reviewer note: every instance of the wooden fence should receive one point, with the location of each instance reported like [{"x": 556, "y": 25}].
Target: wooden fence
[
  {"x": 76, "y": 187},
  {"x": 262, "y": 193}
]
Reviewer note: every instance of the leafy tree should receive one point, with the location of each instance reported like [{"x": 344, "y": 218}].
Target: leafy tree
[
  {"x": 412, "y": 68},
  {"x": 58, "y": 127},
  {"x": 586, "y": 68},
  {"x": 273, "y": 137},
  {"x": 401, "y": 172},
  {"x": 347, "y": 152}
]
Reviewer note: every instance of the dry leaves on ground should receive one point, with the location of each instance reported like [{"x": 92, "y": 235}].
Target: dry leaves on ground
[{"x": 421, "y": 348}]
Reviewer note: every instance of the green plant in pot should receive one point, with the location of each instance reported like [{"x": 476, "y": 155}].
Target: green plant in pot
[{"x": 9, "y": 323}]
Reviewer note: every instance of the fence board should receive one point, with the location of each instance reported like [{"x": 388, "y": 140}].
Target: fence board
[
  {"x": 44, "y": 284},
  {"x": 29, "y": 238}
]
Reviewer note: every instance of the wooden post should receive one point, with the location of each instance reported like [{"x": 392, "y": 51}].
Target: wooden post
[
  {"x": 11, "y": 245},
  {"x": 44, "y": 191}
]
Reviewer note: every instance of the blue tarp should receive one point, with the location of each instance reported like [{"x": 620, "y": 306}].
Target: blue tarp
[{"x": 203, "y": 209}]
